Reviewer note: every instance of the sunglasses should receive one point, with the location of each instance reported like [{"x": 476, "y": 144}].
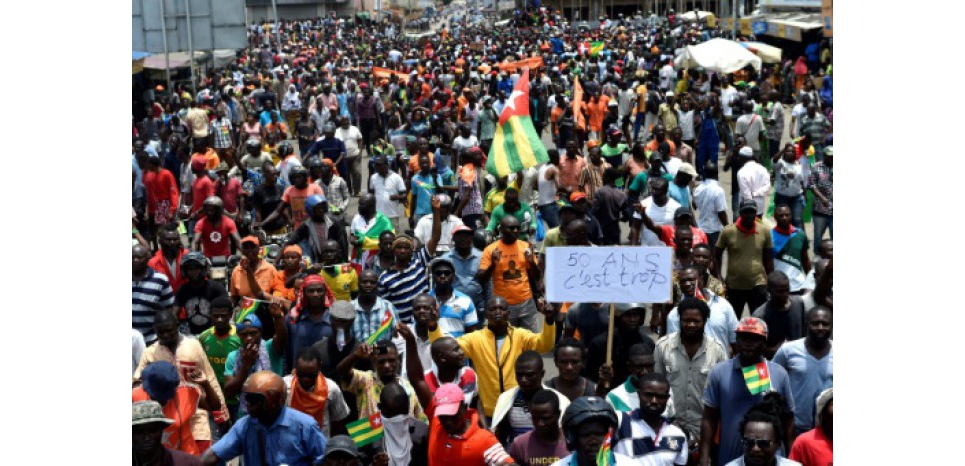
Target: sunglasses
[{"x": 763, "y": 444}]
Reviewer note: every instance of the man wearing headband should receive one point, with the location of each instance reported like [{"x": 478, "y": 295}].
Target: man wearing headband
[
  {"x": 408, "y": 276},
  {"x": 272, "y": 433}
]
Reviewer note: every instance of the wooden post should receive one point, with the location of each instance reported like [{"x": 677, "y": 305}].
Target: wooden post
[{"x": 609, "y": 341}]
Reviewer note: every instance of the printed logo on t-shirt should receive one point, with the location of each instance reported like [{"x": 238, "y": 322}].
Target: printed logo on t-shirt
[{"x": 215, "y": 237}]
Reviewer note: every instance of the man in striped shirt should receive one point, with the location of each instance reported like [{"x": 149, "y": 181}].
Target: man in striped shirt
[
  {"x": 408, "y": 277},
  {"x": 457, "y": 312},
  {"x": 644, "y": 434},
  {"x": 150, "y": 292}
]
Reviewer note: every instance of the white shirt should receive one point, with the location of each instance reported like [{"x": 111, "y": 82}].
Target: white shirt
[
  {"x": 667, "y": 76},
  {"x": 385, "y": 187},
  {"x": 423, "y": 230},
  {"x": 464, "y": 143},
  {"x": 710, "y": 200},
  {"x": 335, "y": 406},
  {"x": 755, "y": 183},
  {"x": 659, "y": 215},
  {"x": 789, "y": 178},
  {"x": 670, "y": 449},
  {"x": 727, "y": 97},
  {"x": 621, "y": 460},
  {"x": 720, "y": 326},
  {"x": 351, "y": 138},
  {"x": 137, "y": 348},
  {"x": 673, "y": 165},
  {"x": 285, "y": 166},
  {"x": 545, "y": 189}
]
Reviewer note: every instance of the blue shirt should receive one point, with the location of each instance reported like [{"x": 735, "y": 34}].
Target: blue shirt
[
  {"x": 456, "y": 314},
  {"x": 265, "y": 118},
  {"x": 466, "y": 270},
  {"x": 423, "y": 187},
  {"x": 294, "y": 439},
  {"x": 680, "y": 194},
  {"x": 727, "y": 392},
  {"x": 809, "y": 377},
  {"x": 367, "y": 322},
  {"x": 305, "y": 332},
  {"x": 330, "y": 148}
]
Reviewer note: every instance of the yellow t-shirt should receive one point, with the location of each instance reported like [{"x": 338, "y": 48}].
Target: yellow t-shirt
[
  {"x": 641, "y": 98},
  {"x": 342, "y": 281},
  {"x": 510, "y": 277}
]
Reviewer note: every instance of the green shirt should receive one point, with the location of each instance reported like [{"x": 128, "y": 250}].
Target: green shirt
[
  {"x": 524, "y": 214},
  {"x": 217, "y": 349},
  {"x": 639, "y": 183}
]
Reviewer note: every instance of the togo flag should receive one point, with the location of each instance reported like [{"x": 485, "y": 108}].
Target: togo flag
[
  {"x": 596, "y": 47},
  {"x": 757, "y": 378},
  {"x": 248, "y": 307},
  {"x": 516, "y": 146},
  {"x": 366, "y": 430}
]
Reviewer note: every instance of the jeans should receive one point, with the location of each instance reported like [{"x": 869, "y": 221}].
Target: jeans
[
  {"x": 735, "y": 204},
  {"x": 797, "y": 204},
  {"x": 754, "y": 298},
  {"x": 712, "y": 240},
  {"x": 822, "y": 223},
  {"x": 525, "y": 315},
  {"x": 551, "y": 215}
]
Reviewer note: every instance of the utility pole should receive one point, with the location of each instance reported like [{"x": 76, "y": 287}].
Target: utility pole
[
  {"x": 187, "y": 10},
  {"x": 167, "y": 55}
]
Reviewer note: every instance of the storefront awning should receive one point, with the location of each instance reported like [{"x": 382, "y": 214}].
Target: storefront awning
[{"x": 790, "y": 26}]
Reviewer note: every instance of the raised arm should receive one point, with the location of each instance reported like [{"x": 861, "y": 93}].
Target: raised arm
[{"x": 413, "y": 365}]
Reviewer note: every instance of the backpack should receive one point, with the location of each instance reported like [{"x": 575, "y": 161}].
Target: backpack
[{"x": 653, "y": 102}]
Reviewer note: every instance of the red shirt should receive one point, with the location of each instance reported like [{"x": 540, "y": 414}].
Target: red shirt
[
  {"x": 229, "y": 193},
  {"x": 667, "y": 232},
  {"x": 813, "y": 448},
  {"x": 201, "y": 189},
  {"x": 475, "y": 447},
  {"x": 160, "y": 186},
  {"x": 215, "y": 240},
  {"x": 160, "y": 264}
]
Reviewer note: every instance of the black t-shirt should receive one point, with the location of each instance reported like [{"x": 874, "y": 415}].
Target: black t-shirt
[
  {"x": 266, "y": 199},
  {"x": 596, "y": 356},
  {"x": 197, "y": 304},
  {"x": 783, "y": 325}
]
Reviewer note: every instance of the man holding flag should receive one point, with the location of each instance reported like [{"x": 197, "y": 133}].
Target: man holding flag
[
  {"x": 734, "y": 386},
  {"x": 647, "y": 425}
]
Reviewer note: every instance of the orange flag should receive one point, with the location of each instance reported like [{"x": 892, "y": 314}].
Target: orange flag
[{"x": 578, "y": 104}]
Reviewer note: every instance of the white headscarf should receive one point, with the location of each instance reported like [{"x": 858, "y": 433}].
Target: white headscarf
[
  {"x": 291, "y": 102},
  {"x": 398, "y": 442}
]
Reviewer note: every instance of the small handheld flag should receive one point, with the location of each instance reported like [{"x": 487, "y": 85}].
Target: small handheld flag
[
  {"x": 385, "y": 328},
  {"x": 596, "y": 47},
  {"x": 366, "y": 430},
  {"x": 605, "y": 457},
  {"x": 248, "y": 307},
  {"x": 757, "y": 378}
]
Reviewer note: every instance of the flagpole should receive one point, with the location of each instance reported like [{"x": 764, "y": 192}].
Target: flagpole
[{"x": 609, "y": 341}]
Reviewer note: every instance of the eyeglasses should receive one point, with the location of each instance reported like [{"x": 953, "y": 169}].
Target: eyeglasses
[{"x": 762, "y": 444}]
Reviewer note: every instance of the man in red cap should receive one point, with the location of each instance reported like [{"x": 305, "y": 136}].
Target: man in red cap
[
  {"x": 730, "y": 393},
  {"x": 454, "y": 433},
  {"x": 253, "y": 275}
]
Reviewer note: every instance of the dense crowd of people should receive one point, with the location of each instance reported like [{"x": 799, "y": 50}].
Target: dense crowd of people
[{"x": 287, "y": 309}]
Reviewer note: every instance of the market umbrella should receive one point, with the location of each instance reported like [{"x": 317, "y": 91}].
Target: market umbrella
[
  {"x": 720, "y": 55},
  {"x": 768, "y": 53}
]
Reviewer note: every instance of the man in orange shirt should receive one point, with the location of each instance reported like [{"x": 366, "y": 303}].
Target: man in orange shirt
[
  {"x": 511, "y": 264},
  {"x": 294, "y": 198},
  {"x": 660, "y": 137},
  {"x": 162, "y": 194},
  {"x": 291, "y": 260},
  {"x": 203, "y": 152},
  {"x": 253, "y": 276},
  {"x": 597, "y": 110}
]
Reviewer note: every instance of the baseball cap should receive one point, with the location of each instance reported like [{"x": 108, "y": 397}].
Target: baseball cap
[
  {"x": 577, "y": 195},
  {"x": 461, "y": 229},
  {"x": 250, "y": 321},
  {"x": 440, "y": 261},
  {"x": 688, "y": 169},
  {"x": 592, "y": 143},
  {"x": 343, "y": 444},
  {"x": 342, "y": 310},
  {"x": 148, "y": 412},
  {"x": 682, "y": 211},
  {"x": 448, "y": 399},
  {"x": 251, "y": 239},
  {"x": 752, "y": 325},
  {"x": 747, "y": 204},
  {"x": 746, "y": 152},
  {"x": 620, "y": 308}
]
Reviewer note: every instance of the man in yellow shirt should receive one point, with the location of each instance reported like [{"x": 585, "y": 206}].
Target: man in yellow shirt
[
  {"x": 494, "y": 349},
  {"x": 340, "y": 277}
]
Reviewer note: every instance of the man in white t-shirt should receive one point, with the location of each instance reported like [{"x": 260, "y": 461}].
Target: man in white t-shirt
[
  {"x": 659, "y": 207},
  {"x": 728, "y": 95},
  {"x": 389, "y": 189},
  {"x": 711, "y": 204},
  {"x": 352, "y": 138},
  {"x": 668, "y": 77},
  {"x": 423, "y": 229},
  {"x": 750, "y": 125}
]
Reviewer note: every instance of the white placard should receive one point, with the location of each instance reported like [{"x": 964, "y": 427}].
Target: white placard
[{"x": 635, "y": 274}]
